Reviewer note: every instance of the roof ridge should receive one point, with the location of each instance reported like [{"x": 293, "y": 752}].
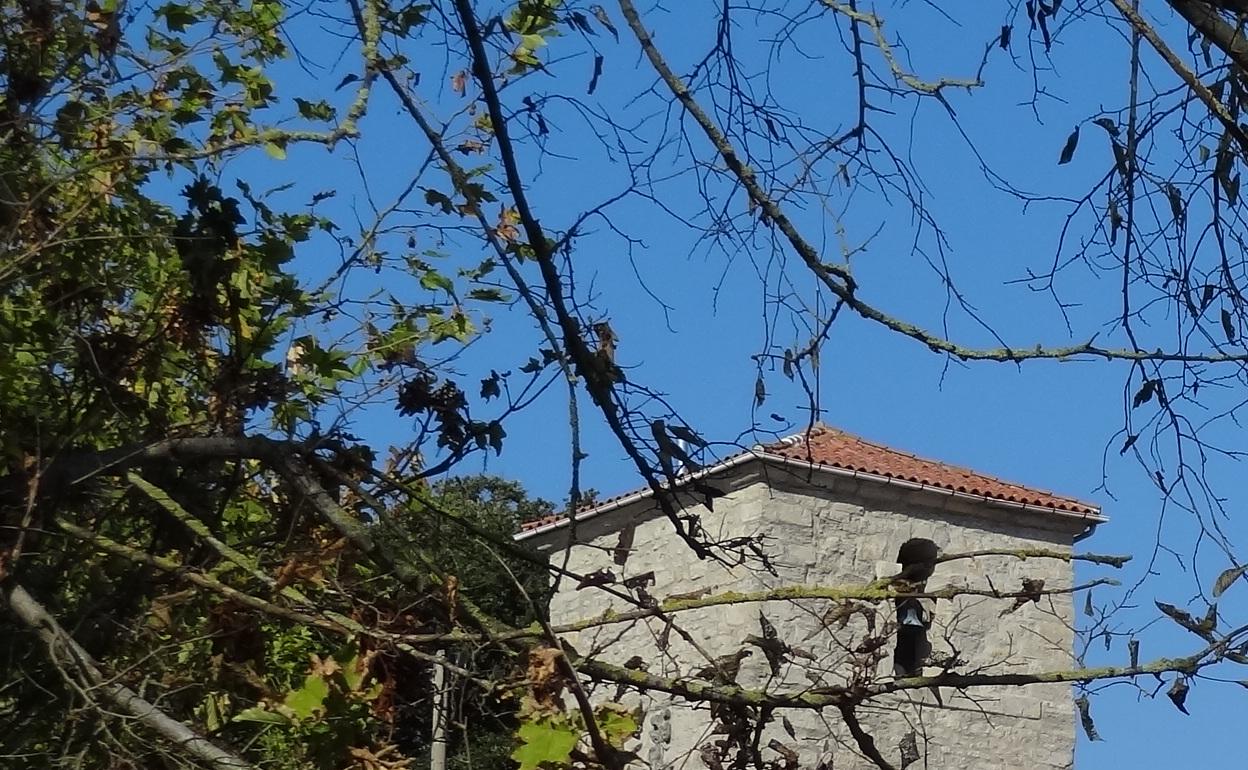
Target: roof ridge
[{"x": 795, "y": 438}]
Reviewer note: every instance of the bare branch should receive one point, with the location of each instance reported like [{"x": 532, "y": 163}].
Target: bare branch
[{"x": 64, "y": 651}]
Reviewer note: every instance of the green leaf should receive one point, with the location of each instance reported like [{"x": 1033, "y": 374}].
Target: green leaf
[
  {"x": 177, "y": 16},
  {"x": 489, "y": 386},
  {"x": 210, "y": 711},
  {"x": 263, "y": 716},
  {"x": 353, "y": 669},
  {"x": 267, "y": 12},
  {"x": 616, "y": 722},
  {"x": 309, "y": 698},
  {"x": 402, "y": 22},
  {"x": 531, "y": 17},
  {"x": 275, "y": 150},
  {"x": 475, "y": 192},
  {"x": 318, "y": 110},
  {"x": 439, "y": 199},
  {"x": 432, "y": 280},
  {"x": 544, "y": 741},
  {"x": 488, "y": 295},
  {"x": 496, "y": 435}
]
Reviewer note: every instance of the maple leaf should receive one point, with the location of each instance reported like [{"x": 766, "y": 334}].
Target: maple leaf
[{"x": 544, "y": 741}]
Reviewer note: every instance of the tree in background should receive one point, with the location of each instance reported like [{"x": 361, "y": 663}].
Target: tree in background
[{"x": 204, "y": 566}]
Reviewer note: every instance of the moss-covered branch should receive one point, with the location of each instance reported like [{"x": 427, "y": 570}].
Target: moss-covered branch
[
  {"x": 174, "y": 509},
  {"x": 879, "y": 591},
  {"x": 836, "y": 695},
  {"x": 1040, "y": 553}
]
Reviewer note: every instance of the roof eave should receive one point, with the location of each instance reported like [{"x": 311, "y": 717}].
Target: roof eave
[{"x": 641, "y": 494}]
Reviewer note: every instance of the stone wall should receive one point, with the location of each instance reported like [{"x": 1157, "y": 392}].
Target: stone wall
[{"x": 827, "y": 530}]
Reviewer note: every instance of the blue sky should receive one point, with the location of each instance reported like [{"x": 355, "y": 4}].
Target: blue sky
[{"x": 1050, "y": 425}]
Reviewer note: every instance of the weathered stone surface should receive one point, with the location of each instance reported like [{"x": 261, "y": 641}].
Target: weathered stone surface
[{"x": 834, "y": 534}]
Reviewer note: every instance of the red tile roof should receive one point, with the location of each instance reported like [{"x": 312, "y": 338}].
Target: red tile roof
[
  {"x": 553, "y": 518},
  {"x": 837, "y": 449},
  {"x": 828, "y": 447}
]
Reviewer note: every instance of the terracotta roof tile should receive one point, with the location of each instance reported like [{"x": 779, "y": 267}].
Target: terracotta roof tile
[
  {"x": 834, "y": 448},
  {"x": 525, "y": 526},
  {"x": 828, "y": 447}
]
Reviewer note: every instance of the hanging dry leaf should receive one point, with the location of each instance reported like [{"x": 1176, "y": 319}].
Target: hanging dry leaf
[
  {"x": 507, "y": 228},
  {"x": 908, "y": 747},
  {"x": 1178, "y": 694},
  {"x": 1085, "y": 718},
  {"x": 546, "y": 681},
  {"x": 1068, "y": 150},
  {"x": 1227, "y": 579},
  {"x": 1202, "y": 628},
  {"x": 788, "y": 755},
  {"x": 451, "y": 591},
  {"x": 1176, "y": 203},
  {"x": 324, "y": 667}
]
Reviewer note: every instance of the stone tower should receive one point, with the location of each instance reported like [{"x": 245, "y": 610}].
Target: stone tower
[{"x": 830, "y": 510}]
